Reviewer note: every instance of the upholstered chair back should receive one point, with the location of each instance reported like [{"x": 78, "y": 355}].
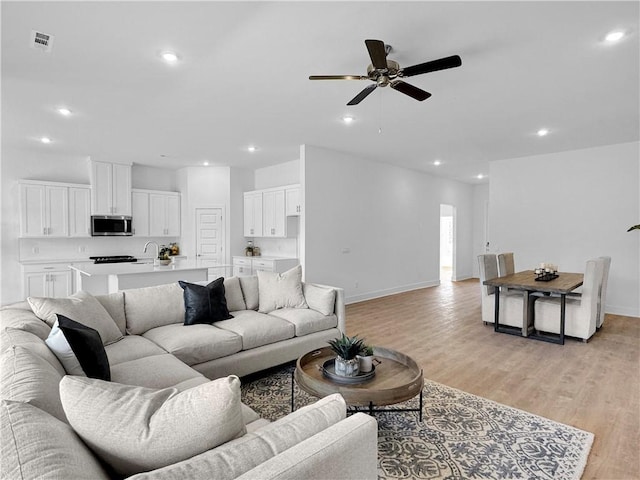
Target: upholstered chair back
[
  {"x": 506, "y": 265},
  {"x": 488, "y": 269},
  {"x": 606, "y": 264}
]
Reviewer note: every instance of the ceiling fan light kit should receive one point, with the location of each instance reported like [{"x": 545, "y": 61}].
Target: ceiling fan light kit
[{"x": 385, "y": 72}]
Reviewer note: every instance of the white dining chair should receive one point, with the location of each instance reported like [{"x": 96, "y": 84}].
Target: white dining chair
[
  {"x": 602, "y": 293},
  {"x": 511, "y": 310},
  {"x": 581, "y": 313},
  {"x": 506, "y": 264}
]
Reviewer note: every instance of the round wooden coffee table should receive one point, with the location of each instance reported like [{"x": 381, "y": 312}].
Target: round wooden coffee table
[{"x": 397, "y": 378}]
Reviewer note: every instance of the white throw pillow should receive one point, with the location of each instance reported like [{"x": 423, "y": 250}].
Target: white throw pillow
[
  {"x": 320, "y": 298},
  {"x": 280, "y": 290},
  {"x": 59, "y": 345},
  {"x": 136, "y": 429},
  {"x": 81, "y": 307}
]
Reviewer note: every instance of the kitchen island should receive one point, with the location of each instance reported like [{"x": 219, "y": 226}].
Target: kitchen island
[{"x": 100, "y": 279}]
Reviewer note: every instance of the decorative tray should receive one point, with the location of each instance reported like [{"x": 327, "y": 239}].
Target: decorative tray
[
  {"x": 329, "y": 371},
  {"x": 546, "y": 277}
]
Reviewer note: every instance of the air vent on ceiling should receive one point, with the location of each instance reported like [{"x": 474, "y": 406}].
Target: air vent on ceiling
[{"x": 40, "y": 40}]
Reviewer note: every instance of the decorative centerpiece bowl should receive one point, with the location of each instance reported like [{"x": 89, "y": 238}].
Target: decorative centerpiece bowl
[{"x": 347, "y": 350}]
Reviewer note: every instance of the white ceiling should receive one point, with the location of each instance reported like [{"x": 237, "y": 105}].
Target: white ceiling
[{"x": 243, "y": 79}]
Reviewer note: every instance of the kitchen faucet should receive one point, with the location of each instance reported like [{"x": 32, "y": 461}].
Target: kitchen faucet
[{"x": 155, "y": 260}]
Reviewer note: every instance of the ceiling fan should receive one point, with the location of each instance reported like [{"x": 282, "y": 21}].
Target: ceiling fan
[{"x": 385, "y": 72}]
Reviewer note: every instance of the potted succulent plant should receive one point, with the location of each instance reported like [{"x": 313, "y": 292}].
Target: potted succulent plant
[
  {"x": 347, "y": 350},
  {"x": 366, "y": 358}
]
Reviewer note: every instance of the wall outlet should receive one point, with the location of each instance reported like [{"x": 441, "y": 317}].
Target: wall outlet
[
  {"x": 356, "y": 284},
  {"x": 346, "y": 250},
  {"x": 35, "y": 250},
  {"x": 82, "y": 249}
]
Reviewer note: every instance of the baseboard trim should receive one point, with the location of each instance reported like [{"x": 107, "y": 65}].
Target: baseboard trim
[{"x": 389, "y": 291}]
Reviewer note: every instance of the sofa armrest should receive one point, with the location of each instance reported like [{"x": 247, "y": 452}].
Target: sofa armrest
[{"x": 347, "y": 450}]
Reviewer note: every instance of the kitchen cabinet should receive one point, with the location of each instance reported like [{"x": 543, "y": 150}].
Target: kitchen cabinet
[
  {"x": 156, "y": 213},
  {"x": 253, "y": 214},
  {"x": 243, "y": 266},
  {"x": 274, "y": 222},
  {"x": 47, "y": 280},
  {"x": 79, "y": 212},
  {"x": 50, "y": 209},
  {"x": 110, "y": 188},
  {"x": 164, "y": 214},
  {"x": 140, "y": 213},
  {"x": 292, "y": 201}
]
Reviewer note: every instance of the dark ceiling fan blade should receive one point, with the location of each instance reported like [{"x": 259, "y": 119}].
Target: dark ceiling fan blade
[
  {"x": 338, "y": 77},
  {"x": 377, "y": 52},
  {"x": 363, "y": 94},
  {"x": 432, "y": 66},
  {"x": 407, "y": 89}
]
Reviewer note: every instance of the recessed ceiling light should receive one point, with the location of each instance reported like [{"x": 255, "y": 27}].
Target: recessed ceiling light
[
  {"x": 542, "y": 132},
  {"x": 437, "y": 162},
  {"x": 169, "y": 57},
  {"x": 205, "y": 163},
  {"x": 614, "y": 36},
  {"x": 45, "y": 140},
  {"x": 64, "y": 111},
  {"x": 251, "y": 149},
  {"x": 480, "y": 176},
  {"x": 347, "y": 119}
]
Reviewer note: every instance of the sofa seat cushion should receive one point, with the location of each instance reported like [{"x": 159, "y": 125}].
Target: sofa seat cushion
[
  {"x": 137, "y": 429},
  {"x": 35, "y": 444},
  {"x": 257, "y": 329},
  {"x": 195, "y": 344},
  {"x": 158, "y": 371},
  {"x": 306, "y": 320},
  {"x": 239, "y": 456},
  {"x": 81, "y": 307},
  {"x": 27, "y": 377},
  {"x": 131, "y": 347},
  {"x": 150, "y": 307}
]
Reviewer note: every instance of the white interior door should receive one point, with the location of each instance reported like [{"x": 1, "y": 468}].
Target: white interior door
[{"x": 210, "y": 236}]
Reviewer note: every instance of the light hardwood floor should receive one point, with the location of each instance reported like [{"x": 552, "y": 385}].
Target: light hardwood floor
[{"x": 593, "y": 386}]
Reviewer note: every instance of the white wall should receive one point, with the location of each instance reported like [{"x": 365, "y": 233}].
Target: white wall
[
  {"x": 287, "y": 173},
  {"x": 568, "y": 207},
  {"x": 373, "y": 228}
]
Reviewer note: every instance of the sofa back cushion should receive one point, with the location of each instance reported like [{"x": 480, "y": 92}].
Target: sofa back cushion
[
  {"x": 113, "y": 303},
  {"x": 250, "y": 291},
  {"x": 16, "y": 316},
  {"x": 81, "y": 307},
  {"x": 27, "y": 377},
  {"x": 36, "y": 445},
  {"x": 151, "y": 307},
  {"x": 135, "y": 429},
  {"x": 233, "y": 293}
]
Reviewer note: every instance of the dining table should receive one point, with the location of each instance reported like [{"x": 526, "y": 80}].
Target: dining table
[{"x": 528, "y": 282}]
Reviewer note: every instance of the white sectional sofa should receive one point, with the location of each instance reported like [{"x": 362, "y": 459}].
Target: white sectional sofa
[{"x": 148, "y": 346}]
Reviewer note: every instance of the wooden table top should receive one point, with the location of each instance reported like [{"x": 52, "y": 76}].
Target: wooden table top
[
  {"x": 398, "y": 378},
  {"x": 526, "y": 280}
]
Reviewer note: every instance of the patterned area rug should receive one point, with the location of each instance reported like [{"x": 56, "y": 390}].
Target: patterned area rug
[{"x": 461, "y": 436}]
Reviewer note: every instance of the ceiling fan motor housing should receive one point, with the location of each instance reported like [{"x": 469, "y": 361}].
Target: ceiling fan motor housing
[{"x": 383, "y": 76}]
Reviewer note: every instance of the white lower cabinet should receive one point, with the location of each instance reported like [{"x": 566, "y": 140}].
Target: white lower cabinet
[
  {"x": 243, "y": 266},
  {"x": 45, "y": 280}
]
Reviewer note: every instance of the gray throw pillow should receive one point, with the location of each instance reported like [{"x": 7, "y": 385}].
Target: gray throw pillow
[
  {"x": 137, "y": 429},
  {"x": 280, "y": 290}
]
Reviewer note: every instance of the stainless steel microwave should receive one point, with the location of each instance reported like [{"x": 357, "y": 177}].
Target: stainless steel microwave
[{"x": 110, "y": 225}]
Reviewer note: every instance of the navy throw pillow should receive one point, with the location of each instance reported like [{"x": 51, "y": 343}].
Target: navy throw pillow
[
  {"x": 204, "y": 304},
  {"x": 87, "y": 347}
]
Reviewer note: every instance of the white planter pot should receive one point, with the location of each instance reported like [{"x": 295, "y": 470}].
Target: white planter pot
[
  {"x": 366, "y": 363},
  {"x": 347, "y": 368}
]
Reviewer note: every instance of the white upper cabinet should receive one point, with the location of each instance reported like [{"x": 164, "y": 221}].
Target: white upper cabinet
[
  {"x": 164, "y": 214},
  {"x": 253, "y": 214},
  {"x": 156, "y": 213},
  {"x": 79, "y": 212},
  {"x": 140, "y": 213},
  {"x": 50, "y": 209},
  {"x": 292, "y": 201},
  {"x": 274, "y": 222},
  {"x": 111, "y": 188}
]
